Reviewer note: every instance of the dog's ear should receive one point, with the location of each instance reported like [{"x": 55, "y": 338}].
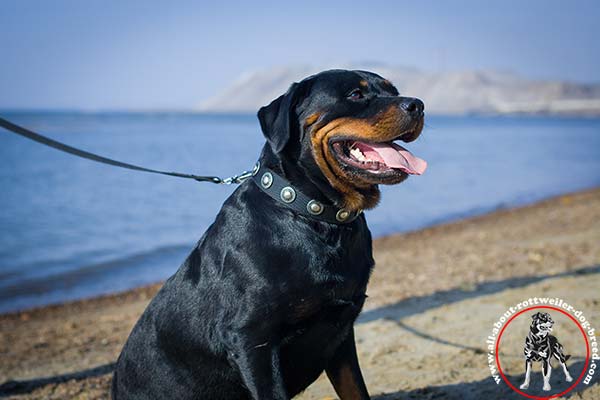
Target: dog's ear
[
  {"x": 278, "y": 120},
  {"x": 535, "y": 316}
]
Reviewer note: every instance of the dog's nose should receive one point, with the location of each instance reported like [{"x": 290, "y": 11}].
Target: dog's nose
[{"x": 414, "y": 107}]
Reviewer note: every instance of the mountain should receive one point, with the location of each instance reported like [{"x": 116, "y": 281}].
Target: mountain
[{"x": 463, "y": 92}]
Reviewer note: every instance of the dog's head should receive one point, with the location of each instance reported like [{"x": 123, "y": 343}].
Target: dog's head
[
  {"x": 338, "y": 127},
  {"x": 542, "y": 323}
]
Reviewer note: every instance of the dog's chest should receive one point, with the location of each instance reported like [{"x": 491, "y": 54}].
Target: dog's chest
[
  {"x": 330, "y": 288},
  {"x": 314, "y": 322},
  {"x": 539, "y": 344},
  {"x": 333, "y": 306}
]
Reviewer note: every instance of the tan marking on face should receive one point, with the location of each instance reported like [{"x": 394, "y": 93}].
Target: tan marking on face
[
  {"x": 364, "y": 83},
  {"x": 353, "y": 198},
  {"x": 358, "y": 192},
  {"x": 311, "y": 119}
]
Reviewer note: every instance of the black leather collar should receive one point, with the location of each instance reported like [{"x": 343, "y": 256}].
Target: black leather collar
[{"x": 282, "y": 191}]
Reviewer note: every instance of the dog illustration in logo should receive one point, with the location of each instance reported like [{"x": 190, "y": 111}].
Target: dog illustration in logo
[{"x": 540, "y": 345}]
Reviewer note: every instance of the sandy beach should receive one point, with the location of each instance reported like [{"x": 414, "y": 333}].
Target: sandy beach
[{"x": 433, "y": 298}]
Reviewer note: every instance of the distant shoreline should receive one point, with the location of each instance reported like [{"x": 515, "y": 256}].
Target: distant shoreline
[{"x": 444, "y": 92}]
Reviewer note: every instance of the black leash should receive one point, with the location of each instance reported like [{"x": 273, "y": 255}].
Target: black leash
[
  {"x": 271, "y": 183},
  {"x": 19, "y": 130}
]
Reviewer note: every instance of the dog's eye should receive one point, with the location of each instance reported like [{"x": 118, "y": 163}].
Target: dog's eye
[{"x": 356, "y": 94}]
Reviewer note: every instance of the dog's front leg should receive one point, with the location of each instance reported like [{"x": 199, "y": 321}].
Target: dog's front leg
[
  {"x": 344, "y": 372},
  {"x": 259, "y": 368},
  {"x": 525, "y": 384},
  {"x": 566, "y": 371},
  {"x": 546, "y": 371},
  {"x": 562, "y": 359}
]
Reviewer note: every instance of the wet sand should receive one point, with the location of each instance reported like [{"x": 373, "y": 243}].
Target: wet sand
[{"x": 432, "y": 300}]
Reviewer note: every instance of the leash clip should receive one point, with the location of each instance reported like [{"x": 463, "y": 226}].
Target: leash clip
[{"x": 241, "y": 177}]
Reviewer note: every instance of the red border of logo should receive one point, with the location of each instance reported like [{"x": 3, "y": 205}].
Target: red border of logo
[{"x": 587, "y": 357}]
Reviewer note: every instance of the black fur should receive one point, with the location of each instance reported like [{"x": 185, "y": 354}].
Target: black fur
[{"x": 267, "y": 299}]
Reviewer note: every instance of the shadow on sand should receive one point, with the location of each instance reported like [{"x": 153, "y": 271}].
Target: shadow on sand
[
  {"x": 489, "y": 390},
  {"x": 417, "y": 305}
]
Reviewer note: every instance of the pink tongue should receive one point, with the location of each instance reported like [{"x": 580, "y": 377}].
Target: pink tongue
[{"x": 393, "y": 156}]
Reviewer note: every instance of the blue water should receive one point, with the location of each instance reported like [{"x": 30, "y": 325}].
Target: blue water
[{"x": 72, "y": 228}]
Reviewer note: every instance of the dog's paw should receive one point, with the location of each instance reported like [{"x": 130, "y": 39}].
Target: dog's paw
[
  {"x": 569, "y": 379},
  {"x": 524, "y": 386},
  {"x": 546, "y": 387}
]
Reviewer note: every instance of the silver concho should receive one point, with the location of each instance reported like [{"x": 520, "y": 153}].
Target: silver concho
[
  {"x": 314, "y": 207},
  {"x": 342, "y": 215},
  {"x": 266, "y": 180},
  {"x": 287, "y": 194}
]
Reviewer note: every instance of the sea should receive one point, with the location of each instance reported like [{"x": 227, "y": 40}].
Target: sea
[{"x": 71, "y": 228}]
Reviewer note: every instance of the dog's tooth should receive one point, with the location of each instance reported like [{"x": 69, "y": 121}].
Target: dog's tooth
[{"x": 358, "y": 154}]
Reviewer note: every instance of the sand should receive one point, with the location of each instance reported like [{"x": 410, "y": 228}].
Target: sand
[{"x": 433, "y": 298}]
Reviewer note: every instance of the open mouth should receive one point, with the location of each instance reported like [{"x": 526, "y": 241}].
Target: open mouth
[{"x": 383, "y": 158}]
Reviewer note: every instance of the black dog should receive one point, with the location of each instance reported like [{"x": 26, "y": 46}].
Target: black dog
[
  {"x": 540, "y": 345},
  {"x": 267, "y": 299}
]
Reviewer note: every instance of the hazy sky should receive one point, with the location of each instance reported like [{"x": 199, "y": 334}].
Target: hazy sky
[{"x": 173, "y": 54}]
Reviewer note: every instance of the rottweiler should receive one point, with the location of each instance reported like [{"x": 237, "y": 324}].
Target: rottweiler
[
  {"x": 541, "y": 346},
  {"x": 267, "y": 299}
]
